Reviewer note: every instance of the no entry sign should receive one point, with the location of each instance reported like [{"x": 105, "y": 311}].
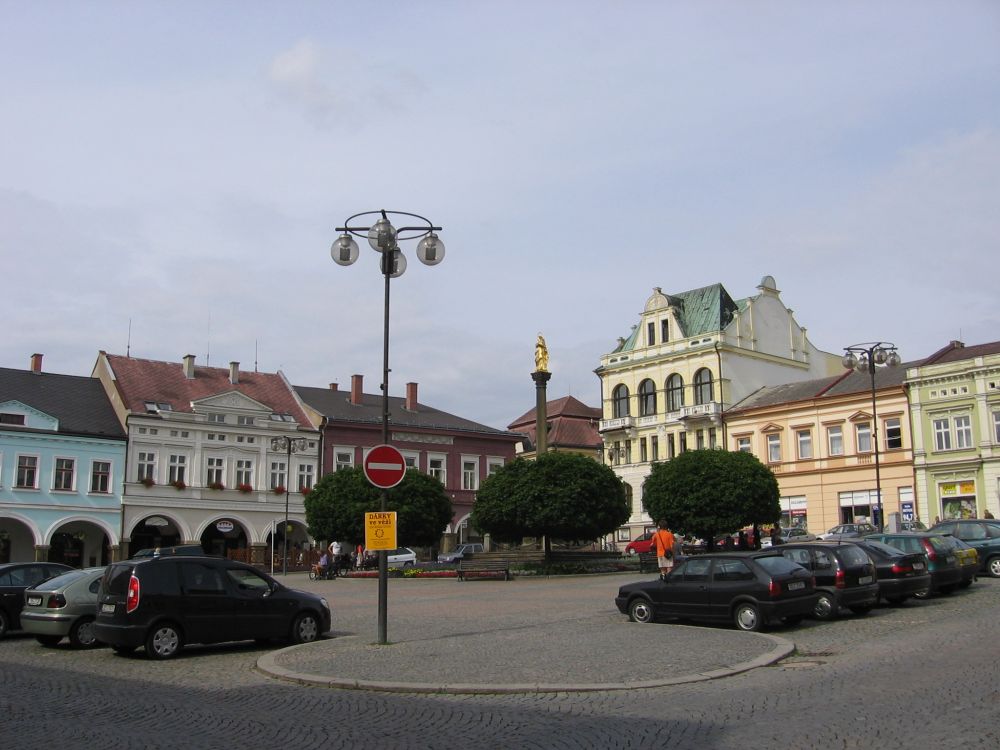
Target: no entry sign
[{"x": 384, "y": 466}]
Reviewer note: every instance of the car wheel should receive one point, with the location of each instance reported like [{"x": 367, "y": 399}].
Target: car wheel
[
  {"x": 4, "y": 624},
  {"x": 164, "y": 641},
  {"x": 993, "y": 566},
  {"x": 826, "y": 607},
  {"x": 862, "y": 609},
  {"x": 630, "y": 552},
  {"x": 640, "y": 610},
  {"x": 747, "y": 617},
  {"x": 81, "y": 635},
  {"x": 305, "y": 628},
  {"x": 408, "y": 564},
  {"x": 48, "y": 640},
  {"x": 925, "y": 594}
]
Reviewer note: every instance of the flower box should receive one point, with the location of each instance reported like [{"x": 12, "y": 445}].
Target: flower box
[
  {"x": 147, "y": 481},
  {"x": 216, "y": 486},
  {"x": 278, "y": 490},
  {"x": 245, "y": 488},
  {"x": 178, "y": 484}
]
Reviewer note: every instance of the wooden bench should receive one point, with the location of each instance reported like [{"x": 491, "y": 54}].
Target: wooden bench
[
  {"x": 647, "y": 562},
  {"x": 483, "y": 566}
]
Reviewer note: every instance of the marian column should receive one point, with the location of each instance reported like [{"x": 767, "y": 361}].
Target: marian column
[{"x": 541, "y": 376}]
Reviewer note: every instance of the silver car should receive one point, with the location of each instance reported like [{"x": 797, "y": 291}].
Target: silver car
[{"x": 63, "y": 606}]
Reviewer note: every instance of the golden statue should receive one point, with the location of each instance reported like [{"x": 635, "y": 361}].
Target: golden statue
[{"x": 541, "y": 355}]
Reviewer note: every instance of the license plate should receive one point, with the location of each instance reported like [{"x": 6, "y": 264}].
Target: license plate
[
  {"x": 34, "y": 601},
  {"x": 865, "y": 579},
  {"x": 108, "y": 609},
  {"x": 951, "y": 559},
  {"x": 918, "y": 566},
  {"x": 796, "y": 585}
]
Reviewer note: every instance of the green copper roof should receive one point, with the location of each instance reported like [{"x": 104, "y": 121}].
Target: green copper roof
[{"x": 698, "y": 311}]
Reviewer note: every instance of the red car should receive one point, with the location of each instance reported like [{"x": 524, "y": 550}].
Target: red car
[{"x": 640, "y": 546}]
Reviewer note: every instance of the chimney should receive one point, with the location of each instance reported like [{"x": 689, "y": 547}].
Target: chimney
[
  {"x": 334, "y": 386},
  {"x": 234, "y": 372},
  {"x": 356, "y": 388},
  {"x": 36, "y": 363},
  {"x": 189, "y": 366},
  {"x": 411, "y": 396}
]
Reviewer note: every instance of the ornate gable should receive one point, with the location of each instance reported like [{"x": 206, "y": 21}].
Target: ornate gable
[
  {"x": 230, "y": 401},
  {"x": 33, "y": 418}
]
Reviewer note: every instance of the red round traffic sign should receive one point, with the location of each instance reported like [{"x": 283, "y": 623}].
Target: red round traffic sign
[{"x": 384, "y": 466}]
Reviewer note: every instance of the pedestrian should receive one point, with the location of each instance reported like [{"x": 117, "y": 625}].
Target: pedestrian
[
  {"x": 335, "y": 550},
  {"x": 359, "y": 556},
  {"x": 742, "y": 544},
  {"x": 663, "y": 538},
  {"x": 775, "y": 535},
  {"x": 987, "y": 514}
]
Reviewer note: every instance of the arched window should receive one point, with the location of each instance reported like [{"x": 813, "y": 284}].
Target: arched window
[
  {"x": 703, "y": 391},
  {"x": 647, "y": 398},
  {"x": 619, "y": 401},
  {"x": 675, "y": 392}
]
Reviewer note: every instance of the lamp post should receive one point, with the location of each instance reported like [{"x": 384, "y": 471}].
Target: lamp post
[
  {"x": 384, "y": 239},
  {"x": 868, "y": 358},
  {"x": 290, "y": 445}
]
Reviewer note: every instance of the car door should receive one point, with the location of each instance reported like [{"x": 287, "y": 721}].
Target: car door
[
  {"x": 685, "y": 593},
  {"x": 730, "y": 578},
  {"x": 257, "y": 612},
  {"x": 206, "y": 607}
]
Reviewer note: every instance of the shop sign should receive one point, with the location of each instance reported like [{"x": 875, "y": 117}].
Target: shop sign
[{"x": 225, "y": 526}]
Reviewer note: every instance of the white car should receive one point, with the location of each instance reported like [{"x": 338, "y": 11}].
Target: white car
[{"x": 402, "y": 556}]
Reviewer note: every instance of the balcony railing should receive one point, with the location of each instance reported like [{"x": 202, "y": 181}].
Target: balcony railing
[
  {"x": 700, "y": 410},
  {"x": 618, "y": 423}
]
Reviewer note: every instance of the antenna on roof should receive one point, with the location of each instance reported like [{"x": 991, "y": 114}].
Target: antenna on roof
[
  {"x": 255, "y": 355},
  {"x": 128, "y": 342},
  {"x": 208, "y": 344}
]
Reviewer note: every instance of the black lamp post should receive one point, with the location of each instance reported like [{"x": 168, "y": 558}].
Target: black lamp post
[
  {"x": 867, "y": 358},
  {"x": 384, "y": 239},
  {"x": 290, "y": 445}
]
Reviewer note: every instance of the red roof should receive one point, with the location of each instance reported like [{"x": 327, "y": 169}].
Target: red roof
[
  {"x": 572, "y": 424},
  {"x": 142, "y": 380}
]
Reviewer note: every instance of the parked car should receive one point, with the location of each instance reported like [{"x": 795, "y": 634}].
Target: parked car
[
  {"x": 794, "y": 534},
  {"x": 845, "y": 576},
  {"x": 942, "y": 563},
  {"x": 749, "y": 589},
  {"x": 968, "y": 559},
  {"x": 459, "y": 552},
  {"x": 179, "y": 549},
  {"x": 163, "y": 603},
  {"x": 641, "y": 545},
  {"x": 849, "y": 531},
  {"x": 402, "y": 556},
  {"x": 912, "y": 526},
  {"x": 14, "y": 579},
  {"x": 981, "y": 533},
  {"x": 62, "y": 607},
  {"x": 900, "y": 574}
]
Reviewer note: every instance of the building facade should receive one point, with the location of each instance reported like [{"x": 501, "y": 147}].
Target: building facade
[
  {"x": 955, "y": 410},
  {"x": 62, "y": 461},
  {"x": 665, "y": 387},
  {"x": 571, "y": 428},
  {"x": 201, "y": 466}
]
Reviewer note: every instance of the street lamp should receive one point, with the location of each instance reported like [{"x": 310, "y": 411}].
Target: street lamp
[
  {"x": 867, "y": 358},
  {"x": 384, "y": 238},
  {"x": 290, "y": 445}
]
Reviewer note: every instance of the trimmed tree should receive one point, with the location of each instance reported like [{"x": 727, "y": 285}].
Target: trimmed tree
[
  {"x": 336, "y": 507},
  {"x": 710, "y": 492},
  {"x": 563, "y": 496}
]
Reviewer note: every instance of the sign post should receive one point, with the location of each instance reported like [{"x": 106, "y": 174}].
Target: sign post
[{"x": 385, "y": 468}]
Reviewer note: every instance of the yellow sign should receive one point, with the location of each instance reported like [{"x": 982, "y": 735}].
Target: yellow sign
[{"x": 380, "y": 531}]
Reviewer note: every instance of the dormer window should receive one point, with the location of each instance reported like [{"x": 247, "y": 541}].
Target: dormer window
[
  {"x": 152, "y": 407},
  {"x": 12, "y": 419},
  {"x": 282, "y": 418}
]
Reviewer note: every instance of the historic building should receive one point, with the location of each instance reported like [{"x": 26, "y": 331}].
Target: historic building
[
  {"x": 664, "y": 388},
  {"x": 62, "y": 460},
  {"x": 202, "y": 466},
  {"x": 572, "y": 428},
  {"x": 457, "y": 451},
  {"x": 817, "y": 437},
  {"x": 955, "y": 410}
]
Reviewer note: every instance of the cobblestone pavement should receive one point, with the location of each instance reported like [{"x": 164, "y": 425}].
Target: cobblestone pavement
[{"x": 922, "y": 675}]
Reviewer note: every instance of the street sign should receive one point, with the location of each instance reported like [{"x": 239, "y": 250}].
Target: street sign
[
  {"x": 384, "y": 466},
  {"x": 380, "y": 531}
]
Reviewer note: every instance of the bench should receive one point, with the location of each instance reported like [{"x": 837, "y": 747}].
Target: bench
[
  {"x": 483, "y": 566},
  {"x": 647, "y": 562}
]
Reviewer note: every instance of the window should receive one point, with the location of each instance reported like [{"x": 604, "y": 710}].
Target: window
[
  {"x": 100, "y": 476},
  {"x": 699, "y": 439},
  {"x": 671, "y": 449},
  {"x": 344, "y": 459},
  {"x": 805, "y": 440},
  {"x": 410, "y": 459},
  {"x": 863, "y": 434},
  {"x": 942, "y": 435},
  {"x": 650, "y": 334},
  {"x": 675, "y": 392},
  {"x": 306, "y": 476},
  {"x": 664, "y": 331},
  {"x": 244, "y": 420},
  {"x": 65, "y": 470},
  {"x": 493, "y": 465},
  {"x": 643, "y": 455},
  {"x": 244, "y": 471},
  {"x": 27, "y": 472},
  {"x": 619, "y": 402},
  {"x": 743, "y": 444},
  {"x": 146, "y": 466},
  {"x": 437, "y": 469},
  {"x": 278, "y": 471},
  {"x": 774, "y": 448},
  {"x": 628, "y": 451},
  {"x": 683, "y": 442},
  {"x": 12, "y": 419},
  {"x": 963, "y": 432},
  {"x": 647, "y": 398},
  {"x": 177, "y": 468},
  {"x": 215, "y": 472},
  {"x": 711, "y": 437},
  {"x": 732, "y": 570},
  {"x": 996, "y": 426},
  {"x": 893, "y": 434},
  {"x": 835, "y": 438},
  {"x": 654, "y": 448},
  {"x": 221, "y": 418},
  {"x": 470, "y": 474},
  {"x": 703, "y": 388}
]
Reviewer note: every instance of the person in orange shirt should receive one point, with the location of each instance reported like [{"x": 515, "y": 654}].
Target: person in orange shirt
[{"x": 663, "y": 538}]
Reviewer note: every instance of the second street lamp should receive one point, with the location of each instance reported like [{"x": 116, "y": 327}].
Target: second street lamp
[
  {"x": 384, "y": 238},
  {"x": 868, "y": 358},
  {"x": 290, "y": 445}
]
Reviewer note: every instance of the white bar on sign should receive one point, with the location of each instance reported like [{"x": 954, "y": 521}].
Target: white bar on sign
[{"x": 385, "y": 467}]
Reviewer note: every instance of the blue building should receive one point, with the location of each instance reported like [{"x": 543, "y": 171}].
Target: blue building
[{"x": 62, "y": 461}]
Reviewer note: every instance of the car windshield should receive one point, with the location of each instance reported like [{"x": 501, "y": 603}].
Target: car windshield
[
  {"x": 778, "y": 565},
  {"x": 61, "y": 580}
]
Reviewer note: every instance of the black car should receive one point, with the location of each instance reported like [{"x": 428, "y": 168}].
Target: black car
[
  {"x": 900, "y": 574},
  {"x": 162, "y": 603},
  {"x": 942, "y": 562},
  {"x": 14, "y": 579},
  {"x": 845, "y": 576},
  {"x": 750, "y": 589},
  {"x": 981, "y": 533}
]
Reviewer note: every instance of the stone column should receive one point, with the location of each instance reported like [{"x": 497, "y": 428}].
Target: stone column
[
  {"x": 541, "y": 378},
  {"x": 258, "y": 555},
  {"x": 41, "y": 553}
]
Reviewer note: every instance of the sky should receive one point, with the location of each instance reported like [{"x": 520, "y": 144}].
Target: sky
[{"x": 172, "y": 175}]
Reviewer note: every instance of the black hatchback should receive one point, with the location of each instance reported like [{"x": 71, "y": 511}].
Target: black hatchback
[
  {"x": 162, "y": 603},
  {"x": 900, "y": 574},
  {"x": 14, "y": 579},
  {"x": 845, "y": 576}
]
